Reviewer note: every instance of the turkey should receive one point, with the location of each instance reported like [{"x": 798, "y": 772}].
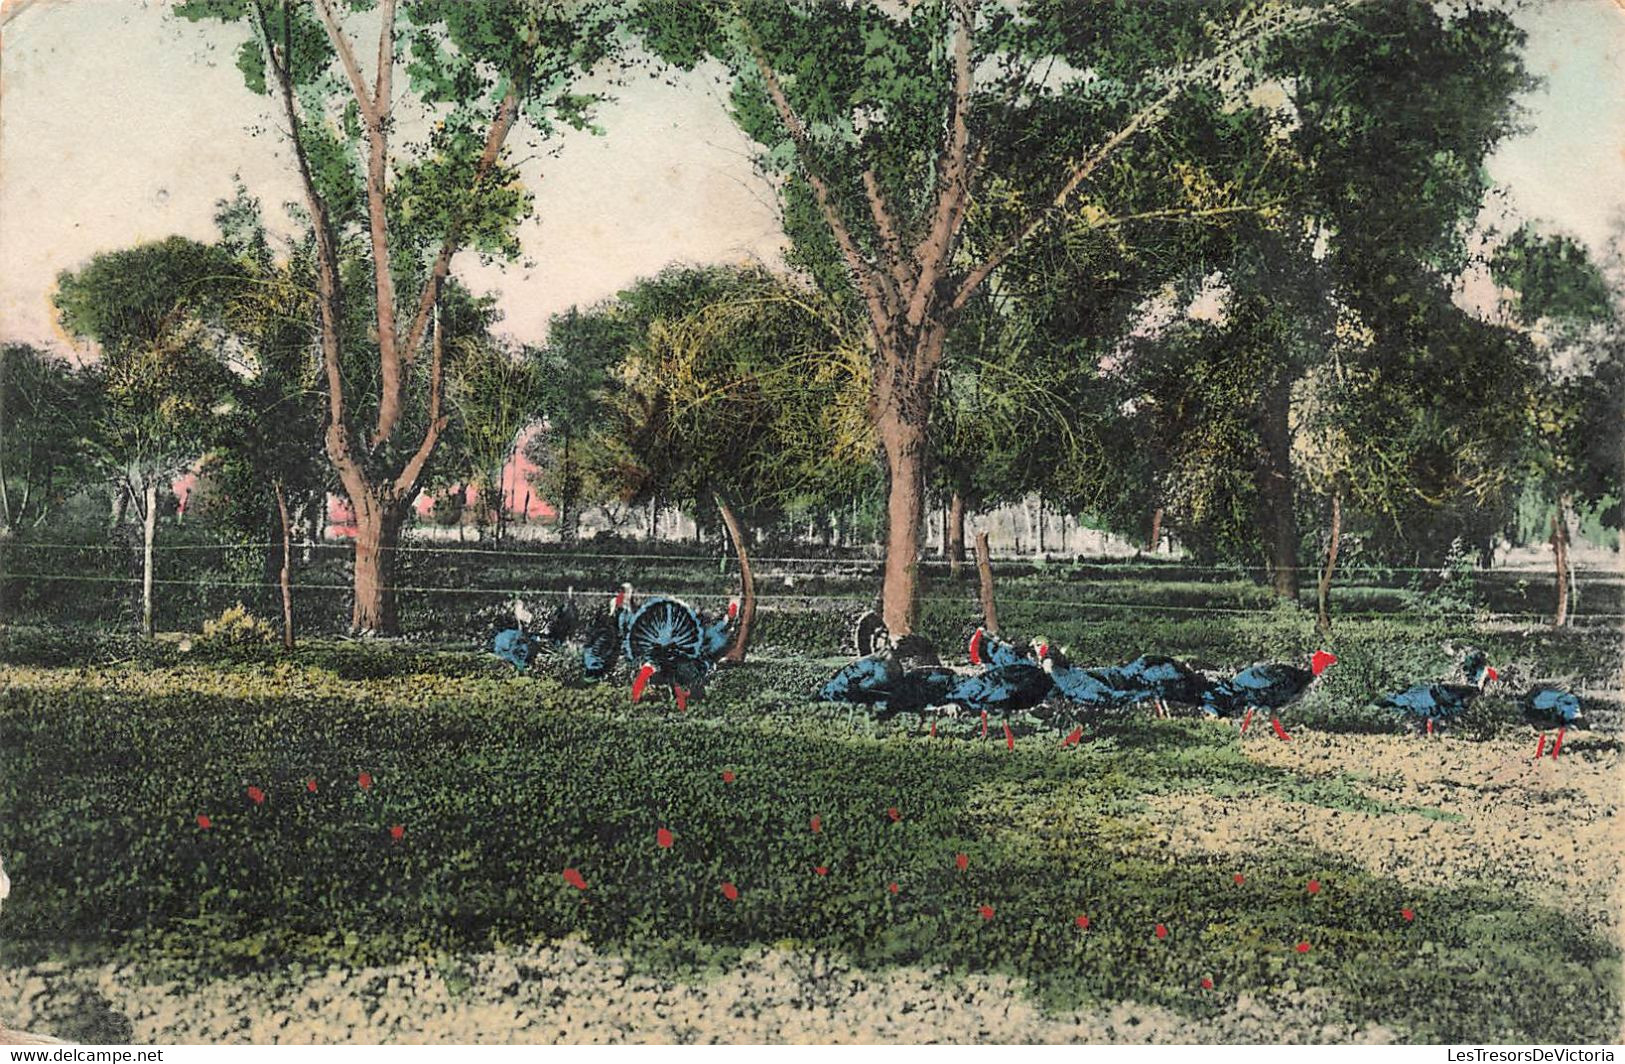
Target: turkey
[
  {"x": 1272, "y": 686},
  {"x": 1430, "y": 706},
  {"x": 601, "y": 647},
  {"x": 1148, "y": 678},
  {"x": 1546, "y": 707},
  {"x": 717, "y": 634},
  {"x": 667, "y": 640},
  {"x": 871, "y": 637},
  {"x": 883, "y": 681},
  {"x": 988, "y": 649},
  {"x": 1005, "y": 689},
  {"x": 1087, "y": 687}
]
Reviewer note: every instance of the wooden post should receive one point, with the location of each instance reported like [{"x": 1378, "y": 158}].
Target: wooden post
[
  {"x": 1560, "y": 552},
  {"x": 984, "y": 568},
  {"x": 285, "y": 576},
  {"x": 1323, "y": 603}
]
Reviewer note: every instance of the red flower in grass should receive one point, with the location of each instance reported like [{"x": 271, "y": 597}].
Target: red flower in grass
[
  {"x": 204, "y": 822},
  {"x": 893, "y": 887},
  {"x": 396, "y": 833},
  {"x": 572, "y": 877},
  {"x": 1082, "y": 921},
  {"x": 310, "y": 785},
  {"x": 730, "y": 891},
  {"x": 1207, "y": 984},
  {"x": 1408, "y": 914},
  {"x": 892, "y": 812},
  {"x": 663, "y": 839},
  {"x": 962, "y": 861},
  {"x": 1162, "y": 931},
  {"x": 822, "y": 870},
  {"x": 256, "y": 796},
  {"x": 364, "y": 781},
  {"x": 987, "y": 912},
  {"x": 727, "y": 776},
  {"x": 817, "y": 825},
  {"x": 1303, "y": 947},
  {"x": 1239, "y": 879},
  {"x": 1314, "y": 886}
]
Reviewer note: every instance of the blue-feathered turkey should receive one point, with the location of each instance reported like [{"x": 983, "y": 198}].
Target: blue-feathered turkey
[
  {"x": 1087, "y": 687},
  {"x": 1435, "y": 705},
  {"x": 988, "y": 649},
  {"x": 1548, "y": 706},
  {"x": 884, "y": 682},
  {"x": 1271, "y": 687},
  {"x": 666, "y": 642},
  {"x": 1003, "y": 689},
  {"x": 601, "y": 646},
  {"x": 718, "y": 633}
]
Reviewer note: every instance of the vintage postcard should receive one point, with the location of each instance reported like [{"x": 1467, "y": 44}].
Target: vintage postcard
[{"x": 797, "y": 521}]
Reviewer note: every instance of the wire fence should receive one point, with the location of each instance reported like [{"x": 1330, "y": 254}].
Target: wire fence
[{"x": 452, "y": 588}]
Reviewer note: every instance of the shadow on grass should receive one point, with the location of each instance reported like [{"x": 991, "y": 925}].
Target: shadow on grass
[{"x": 502, "y": 786}]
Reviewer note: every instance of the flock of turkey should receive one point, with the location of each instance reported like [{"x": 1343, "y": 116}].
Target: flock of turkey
[{"x": 666, "y": 642}]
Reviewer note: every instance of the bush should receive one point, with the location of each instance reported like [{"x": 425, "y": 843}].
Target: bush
[{"x": 236, "y": 627}]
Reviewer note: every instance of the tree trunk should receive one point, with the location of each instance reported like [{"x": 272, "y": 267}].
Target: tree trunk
[
  {"x": 1038, "y": 520},
  {"x": 956, "y": 534},
  {"x": 902, "y": 437},
  {"x": 747, "y": 585},
  {"x": 1280, "y": 531},
  {"x": 1323, "y": 599},
  {"x": 1155, "y": 536},
  {"x": 1560, "y": 554},
  {"x": 377, "y": 532},
  {"x": 149, "y": 533},
  {"x": 121, "y": 503},
  {"x": 984, "y": 569},
  {"x": 285, "y": 577}
]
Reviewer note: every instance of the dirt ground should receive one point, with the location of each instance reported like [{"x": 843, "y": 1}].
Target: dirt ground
[{"x": 1548, "y": 831}]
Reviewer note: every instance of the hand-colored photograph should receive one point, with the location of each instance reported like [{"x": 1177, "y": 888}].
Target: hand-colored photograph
[{"x": 808, "y": 522}]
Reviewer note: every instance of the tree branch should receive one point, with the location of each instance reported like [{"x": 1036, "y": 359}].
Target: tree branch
[
  {"x": 406, "y": 483},
  {"x": 901, "y": 267},
  {"x": 863, "y": 273},
  {"x": 953, "y": 189},
  {"x": 507, "y": 114},
  {"x": 328, "y": 291},
  {"x": 1146, "y": 117},
  {"x": 374, "y": 113}
]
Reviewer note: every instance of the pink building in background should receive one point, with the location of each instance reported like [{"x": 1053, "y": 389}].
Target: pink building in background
[{"x": 518, "y": 497}]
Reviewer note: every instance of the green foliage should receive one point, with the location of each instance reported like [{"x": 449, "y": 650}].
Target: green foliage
[
  {"x": 501, "y": 783},
  {"x": 48, "y": 408}
]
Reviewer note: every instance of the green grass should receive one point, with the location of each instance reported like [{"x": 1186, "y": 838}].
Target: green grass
[{"x": 501, "y": 783}]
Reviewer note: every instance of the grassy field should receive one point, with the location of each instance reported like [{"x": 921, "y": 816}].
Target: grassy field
[{"x": 1355, "y": 883}]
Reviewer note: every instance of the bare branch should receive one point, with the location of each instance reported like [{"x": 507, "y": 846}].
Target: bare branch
[{"x": 341, "y": 45}]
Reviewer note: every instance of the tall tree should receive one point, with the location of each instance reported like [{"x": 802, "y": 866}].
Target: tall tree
[
  {"x": 46, "y": 411},
  {"x": 496, "y": 393},
  {"x": 726, "y": 399},
  {"x": 1575, "y": 439},
  {"x": 267, "y": 450},
  {"x": 389, "y": 214},
  {"x": 895, "y": 126},
  {"x": 154, "y": 311}
]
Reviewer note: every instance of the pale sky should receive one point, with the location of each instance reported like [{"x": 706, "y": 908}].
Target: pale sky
[{"x": 119, "y": 125}]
